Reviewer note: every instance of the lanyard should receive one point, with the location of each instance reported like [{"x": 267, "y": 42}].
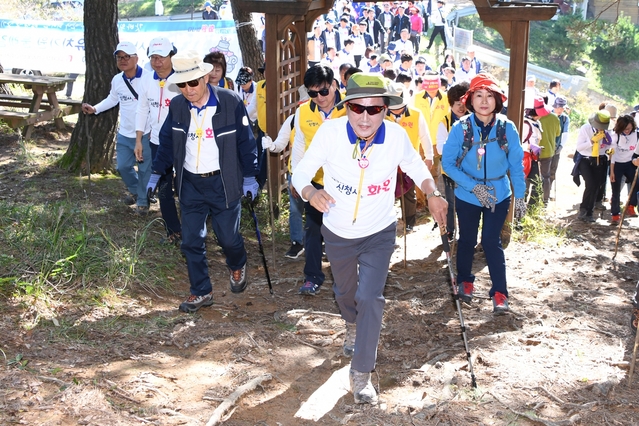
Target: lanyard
[
  {"x": 162, "y": 83},
  {"x": 359, "y": 153},
  {"x": 198, "y": 133}
]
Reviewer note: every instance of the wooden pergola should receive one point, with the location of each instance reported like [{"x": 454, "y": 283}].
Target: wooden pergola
[{"x": 288, "y": 21}]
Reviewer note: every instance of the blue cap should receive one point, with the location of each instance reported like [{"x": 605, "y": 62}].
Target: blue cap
[{"x": 208, "y": 4}]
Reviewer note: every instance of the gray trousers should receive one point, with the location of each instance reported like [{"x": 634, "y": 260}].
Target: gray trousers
[
  {"x": 544, "y": 171},
  {"x": 360, "y": 267}
]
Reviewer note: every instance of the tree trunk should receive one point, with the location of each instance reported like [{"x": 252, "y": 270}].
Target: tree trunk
[
  {"x": 249, "y": 44},
  {"x": 4, "y": 89},
  {"x": 93, "y": 138}
]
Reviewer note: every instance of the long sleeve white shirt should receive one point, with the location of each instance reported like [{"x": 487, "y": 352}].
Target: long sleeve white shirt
[
  {"x": 332, "y": 150},
  {"x": 153, "y": 106},
  {"x": 284, "y": 135},
  {"x": 121, "y": 94}
]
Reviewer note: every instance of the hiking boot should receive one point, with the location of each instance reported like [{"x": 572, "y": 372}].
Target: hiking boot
[
  {"x": 362, "y": 388},
  {"x": 409, "y": 229},
  {"x": 451, "y": 236},
  {"x": 349, "y": 339},
  {"x": 309, "y": 288},
  {"x": 130, "y": 199},
  {"x": 630, "y": 211},
  {"x": 465, "y": 291},
  {"x": 142, "y": 210},
  {"x": 615, "y": 219},
  {"x": 239, "y": 280},
  {"x": 174, "y": 239},
  {"x": 599, "y": 206},
  {"x": 295, "y": 250},
  {"x": 634, "y": 319},
  {"x": 500, "y": 303},
  {"x": 582, "y": 213},
  {"x": 193, "y": 302}
]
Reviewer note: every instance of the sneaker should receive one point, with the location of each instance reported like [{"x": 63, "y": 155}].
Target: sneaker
[
  {"x": 630, "y": 211},
  {"x": 295, "y": 250},
  {"x": 615, "y": 219},
  {"x": 634, "y": 319},
  {"x": 409, "y": 228},
  {"x": 465, "y": 291},
  {"x": 500, "y": 303},
  {"x": 130, "y": 199},
  {"x": 599, "y": 206},
  {"x": 451, "y": 236},
  {"x": 349, "y": 339},
  {"x": 193, "y": 302},
  {"x": 362, "y": 388},
  {"x": 142, "y": 210},
  {"x": 174, "y": 239},
  {"x": 239, "y": 280},
  {"x": 309, "y": 288}
]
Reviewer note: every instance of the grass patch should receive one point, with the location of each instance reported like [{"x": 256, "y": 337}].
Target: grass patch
[{"x": 537, "y": 227}]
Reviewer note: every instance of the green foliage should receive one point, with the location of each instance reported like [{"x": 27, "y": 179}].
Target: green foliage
[
  {"x": 485, "y": 35},
  {"x": 557, "y": 45},
  {"x": 134, "y": 9},
  {"x": 616, "y": 41}
]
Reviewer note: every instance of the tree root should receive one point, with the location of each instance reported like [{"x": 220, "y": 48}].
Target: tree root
[{"x": 219, "y": 412}]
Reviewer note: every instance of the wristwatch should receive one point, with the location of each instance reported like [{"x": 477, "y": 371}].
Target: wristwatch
[{"x": 435, "y": 193}]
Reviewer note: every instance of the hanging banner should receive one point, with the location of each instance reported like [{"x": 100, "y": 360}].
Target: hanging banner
[{"x": 52, "y": 46}]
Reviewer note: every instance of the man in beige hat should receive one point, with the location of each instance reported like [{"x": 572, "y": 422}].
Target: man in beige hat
[
  {"x": 359, "y": 154},
  {"x": 207, "y": 139}
]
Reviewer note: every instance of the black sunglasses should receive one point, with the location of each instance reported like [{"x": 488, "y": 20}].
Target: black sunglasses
[
  {"x": 314, "y": 93},
  {"x": 371, "y": 110},
  {"x": 192, "y": 83}
]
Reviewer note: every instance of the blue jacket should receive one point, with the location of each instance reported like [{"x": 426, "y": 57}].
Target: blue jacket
[
  {"x": 233, "y": 136},
  {"x": 494, "y": 166}
]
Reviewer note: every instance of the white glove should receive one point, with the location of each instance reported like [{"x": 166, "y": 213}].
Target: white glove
[
  {"x": 520, "y": 208},
  {"x": 267, "y": 143}
]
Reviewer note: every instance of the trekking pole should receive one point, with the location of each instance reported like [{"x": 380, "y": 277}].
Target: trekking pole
[
  {"x": 270, "y": 201},
  {"x": 634, "y": 358},
  {"x": 259, "y": 241},
  {"x": 453, "y": 284},
  {"x": 623, "y": 212}
]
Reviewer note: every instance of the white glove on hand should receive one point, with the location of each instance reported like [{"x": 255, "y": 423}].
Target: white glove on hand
[
  {"x": 486, "y": 199},
  {"x": 267, "y": 143},
  {"x": 520, "y": 208}
]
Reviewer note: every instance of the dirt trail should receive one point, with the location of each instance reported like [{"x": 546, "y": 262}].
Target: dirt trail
[{"x": 561, "y": 356}]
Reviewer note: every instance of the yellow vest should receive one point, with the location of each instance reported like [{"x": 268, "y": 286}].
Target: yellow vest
[
  {"x": 310, "y": 119},
  {"x": 410, "y": 122},
  {"x": 432, "y": 114},
  {"x": 260, "y": 93}
]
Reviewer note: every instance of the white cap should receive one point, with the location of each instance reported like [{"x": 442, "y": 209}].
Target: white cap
[
  {"x": 126, "y": 47},
  {"x": 160, "y": 46}
]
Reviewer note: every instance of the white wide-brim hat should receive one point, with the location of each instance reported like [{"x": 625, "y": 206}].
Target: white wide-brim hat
[{"x": 188, "y": 66}]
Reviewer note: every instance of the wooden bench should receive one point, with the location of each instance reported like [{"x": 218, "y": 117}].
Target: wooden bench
[{"x": 42, "y": 106}]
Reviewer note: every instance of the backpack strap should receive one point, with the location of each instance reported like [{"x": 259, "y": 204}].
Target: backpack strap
[{"x": 468, "y": 143}]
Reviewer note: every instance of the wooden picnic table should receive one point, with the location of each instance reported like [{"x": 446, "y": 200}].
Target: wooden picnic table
[{"x": 37, "y": 108}]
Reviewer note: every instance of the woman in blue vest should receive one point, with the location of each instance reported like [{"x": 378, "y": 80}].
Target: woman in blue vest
[{"x": 481, "y": 150}]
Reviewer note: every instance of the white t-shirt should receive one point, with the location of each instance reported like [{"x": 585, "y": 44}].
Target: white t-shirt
[
  {"x": 202, "y": 153},
  {"x": 332, "y": 150},
  {"x": 153, "y": 104}
]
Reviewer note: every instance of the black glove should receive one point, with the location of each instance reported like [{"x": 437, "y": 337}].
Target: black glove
[{"x": 152, "y": 186}]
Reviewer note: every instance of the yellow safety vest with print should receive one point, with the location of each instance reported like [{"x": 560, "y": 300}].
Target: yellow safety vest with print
[
  {"x": 311, "y": 117},
  {"x": 260, "y": 93},
  {"x": 433, "y": 114}
]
